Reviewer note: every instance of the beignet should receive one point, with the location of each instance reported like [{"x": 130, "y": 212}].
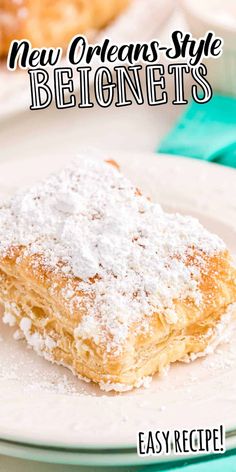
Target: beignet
[{"x": 101, "y": 280}]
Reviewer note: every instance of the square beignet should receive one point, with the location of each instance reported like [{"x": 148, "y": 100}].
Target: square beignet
[{"x": 100, "y": 279}]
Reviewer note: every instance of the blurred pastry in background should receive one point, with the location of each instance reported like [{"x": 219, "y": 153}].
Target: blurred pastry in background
[{"x": 53, "y": 23}]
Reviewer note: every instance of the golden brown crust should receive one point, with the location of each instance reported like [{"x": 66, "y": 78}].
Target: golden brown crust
[{"x": 53, "y": 24}]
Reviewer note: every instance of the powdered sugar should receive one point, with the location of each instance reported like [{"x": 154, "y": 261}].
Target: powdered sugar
[
  {"x": 129, "y": 256},
  {"x": 10, "y": 312},
  {"x": 8, "y": 318},
  {"x": 119, "y": 387},
  {"x": 25, "y": 325},
  {"x": 37, "y": 341}
]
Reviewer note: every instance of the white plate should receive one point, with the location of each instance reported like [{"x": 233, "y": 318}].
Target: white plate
[
  {"x": 45, "y": 405},
  {"x": 140, "y": 22}
]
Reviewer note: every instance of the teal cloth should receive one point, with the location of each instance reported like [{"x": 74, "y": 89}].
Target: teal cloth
[
  {"x": 205, "y": 131},
  {"x": 225, "y": 463}
]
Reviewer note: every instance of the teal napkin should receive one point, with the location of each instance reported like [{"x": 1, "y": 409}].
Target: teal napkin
[
  {"x": 206, "y": 132},
  {"x": 227, "y": 464}
]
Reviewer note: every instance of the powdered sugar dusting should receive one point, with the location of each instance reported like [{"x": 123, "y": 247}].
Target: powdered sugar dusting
[
  {"x": 119, "y": 387},
  {"x": 36, "y": 340},
  {"x": 128, "y": 255},
  {"x": 10, "y": 312}
]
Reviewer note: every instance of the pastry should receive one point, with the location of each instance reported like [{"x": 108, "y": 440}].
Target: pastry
[
  {"x": 100, "y": 279},
  {"x": 53, "y": 24}
]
